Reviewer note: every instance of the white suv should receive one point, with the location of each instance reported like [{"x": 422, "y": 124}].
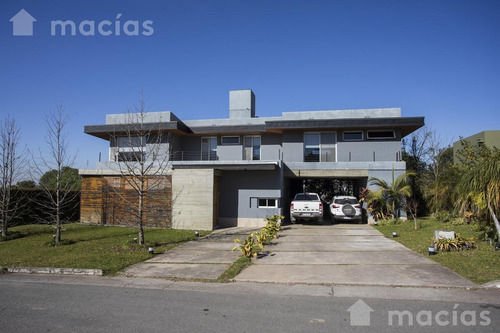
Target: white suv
[{"x": 346, "y": 208}]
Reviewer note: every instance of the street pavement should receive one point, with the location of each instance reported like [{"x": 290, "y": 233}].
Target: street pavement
[
  {"x": 56, "y": 303},
  {"x": 345, "y": 254}
]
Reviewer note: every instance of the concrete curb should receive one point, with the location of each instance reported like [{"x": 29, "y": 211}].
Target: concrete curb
[
  {"x": 491, "y": 285},
  {"x": 51, "y": 270}
]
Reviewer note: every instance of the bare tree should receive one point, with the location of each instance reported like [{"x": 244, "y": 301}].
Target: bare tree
[
  {"x": 12, "y": 168},
  {"x": 419, "y": 146},
  {"x": 411, "y": 205},
  {"x": 58, "y": 159},
  {"x": 143, "y": 156}
]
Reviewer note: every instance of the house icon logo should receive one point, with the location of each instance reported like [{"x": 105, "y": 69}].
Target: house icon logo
[
  {"x": 360, "y": 313},
  {"x": 22, "y": 24}
]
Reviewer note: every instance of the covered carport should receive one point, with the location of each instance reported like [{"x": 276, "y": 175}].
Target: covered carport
[{"x": 327, "y": 183}]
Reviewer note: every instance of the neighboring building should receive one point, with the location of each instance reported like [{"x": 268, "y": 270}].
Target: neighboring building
[
  {"x": 488, "y": 138},
  {"x": 238, "y": 170}
]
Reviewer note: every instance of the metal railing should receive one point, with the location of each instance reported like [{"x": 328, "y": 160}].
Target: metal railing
[{"x": 193, "y": 156}]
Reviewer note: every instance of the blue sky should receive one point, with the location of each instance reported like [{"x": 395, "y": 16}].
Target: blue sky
[{"x": 437, "y": 59}]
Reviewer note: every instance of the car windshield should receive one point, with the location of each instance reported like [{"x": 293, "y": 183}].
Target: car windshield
[
  {"x": 345, "y": 201},
  {"x": 305, "y": 197}
]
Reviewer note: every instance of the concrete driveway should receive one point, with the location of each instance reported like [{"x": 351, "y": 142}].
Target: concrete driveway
[{"x": 346, "y": 255}]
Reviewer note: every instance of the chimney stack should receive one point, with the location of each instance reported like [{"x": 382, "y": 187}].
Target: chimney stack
[{"x": 241, "y": 104}]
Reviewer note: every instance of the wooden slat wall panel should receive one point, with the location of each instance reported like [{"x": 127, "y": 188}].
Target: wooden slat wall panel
[{"x": 110, "y": 200}]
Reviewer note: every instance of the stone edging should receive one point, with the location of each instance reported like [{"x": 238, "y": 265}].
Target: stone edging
[{"x": 50, "y": 270}]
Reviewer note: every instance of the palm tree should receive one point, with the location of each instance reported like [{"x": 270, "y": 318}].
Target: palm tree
[
  {"x": 391, "y": 195},
  {"x": 479, "y": 184}
]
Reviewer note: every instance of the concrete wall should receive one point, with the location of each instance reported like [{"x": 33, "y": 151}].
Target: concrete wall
[
  {"x": 192, "y": 196},
  {"x": 230, "y": 152},
  {"x": 270, "y": 149},
  {"x": 238, "y": 194},
  {"x": 363, "y": 151},
  {"x": 488, "y": 138},
  {"x": 293, "y": 146},
  {"x": 148, "y": 117},
  {"x": 339, "y": 114}
]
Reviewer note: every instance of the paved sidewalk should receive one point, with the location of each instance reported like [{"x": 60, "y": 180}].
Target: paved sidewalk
[
  {"x": 206, "y": 258},
  {"x": 346, "y": 255}
]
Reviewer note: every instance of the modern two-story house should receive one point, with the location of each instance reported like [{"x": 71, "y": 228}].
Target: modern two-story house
[{"x": 238, "y": 170}]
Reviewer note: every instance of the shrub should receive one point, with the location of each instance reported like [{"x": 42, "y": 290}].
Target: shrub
[
  {"x": 246, "y": 247},
  {"x": 263, "y": 237},
  {"x": 442, "y": 216},
  {"x": 455, "y": 244},
  {"x": 389, "y": 222}
]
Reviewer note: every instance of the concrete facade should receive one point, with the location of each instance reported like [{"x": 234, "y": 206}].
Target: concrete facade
[
  {"x": 193, "y": 199},
  {"x": 238, "y": 170},
  {"x": 488, "y": 138}
]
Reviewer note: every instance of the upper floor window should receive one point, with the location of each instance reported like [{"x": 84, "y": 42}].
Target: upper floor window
[
  {"x": 130, "y": 148},
  {"x": 209, "y": 148},
  {"x": 252, "y": 148},
  {"x": 320, "y": 147},
  {"x": 381, "y": 135},
  {"x": 230, "y": 140},
  {"x": 124, "y": 142},
  {"x": 352, "y": 136}
]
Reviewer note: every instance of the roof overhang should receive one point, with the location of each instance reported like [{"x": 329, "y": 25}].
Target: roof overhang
[
  {"x": 226, "y": 165},
  {"x": 406, "y": 124},
  {"x": 229, "y": 129},
  {"x": 107, "y": 131}
]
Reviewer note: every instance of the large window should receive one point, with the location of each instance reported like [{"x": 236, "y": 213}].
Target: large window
[
  {"x": 311, "y": 147},
  {"x": 209, "y": 148},
  {"x": 252, "y": 148},
  {"x": 320, "y": 147},
  {"x": 130, "y": 148}
]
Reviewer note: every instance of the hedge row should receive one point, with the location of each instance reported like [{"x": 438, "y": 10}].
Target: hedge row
[{"x": 34, "y": 206}]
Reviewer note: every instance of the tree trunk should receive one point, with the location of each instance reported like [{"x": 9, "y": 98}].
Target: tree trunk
[
  {"x": 141, "y": 215},
  {"x": 495, "y": 220},
  {"x": 4, "y": 228},
  {"x": 58, "y": 217}
]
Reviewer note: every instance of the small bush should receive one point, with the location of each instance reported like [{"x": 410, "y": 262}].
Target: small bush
[
  {"x": 389, "y": 222},
  {"x": 456, "y": 244},
  {"x": 246, "y": 247},
  {"x": 63, "y": 242},
  {"x": 11, "y": 235},
  {"x": 442, "y": 216},
  {"x": 251, "y": 245}
]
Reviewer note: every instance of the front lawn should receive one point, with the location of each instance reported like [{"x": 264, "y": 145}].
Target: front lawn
[
  {"x": 108, "y": 248},
  {"x": 479, "y": 265}
]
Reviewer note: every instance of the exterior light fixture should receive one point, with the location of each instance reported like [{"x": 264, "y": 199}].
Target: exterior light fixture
[
  {"x": 375, "y": 223},
  {"x": 432, "y": 250},
  {"x": 135, "y": 240},
  {"x": 394, "y": 234},
  {"x": 151, "y": 250},
  {"x": 197, "y": 234}
]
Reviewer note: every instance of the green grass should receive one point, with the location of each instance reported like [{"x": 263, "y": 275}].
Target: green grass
[
  {"x": 108, "y": 248},
  {"x": 479, "y": 265},
  {"x": 234, "y": 269}
]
